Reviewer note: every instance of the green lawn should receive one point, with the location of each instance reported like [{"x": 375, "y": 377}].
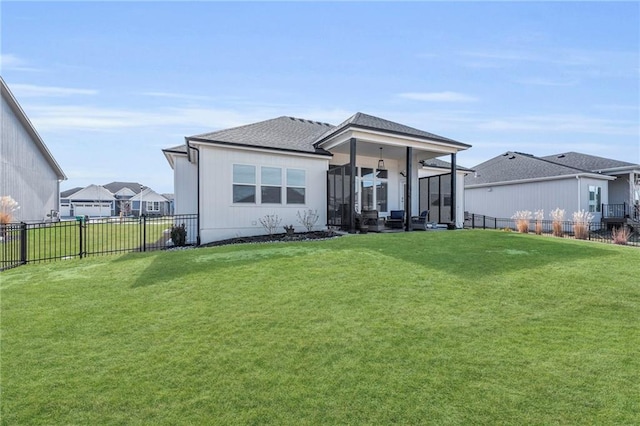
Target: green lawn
[{"x": 465, "y": 327}]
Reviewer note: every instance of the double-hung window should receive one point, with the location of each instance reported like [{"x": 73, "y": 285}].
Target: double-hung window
[
  {"x": 271, "y": 185},
  {"x": 153, "y": 206},
  {"x": 595, "y": 198},
  {"x": 244, "y": 183},
  {"x": 296, "y": 186}
]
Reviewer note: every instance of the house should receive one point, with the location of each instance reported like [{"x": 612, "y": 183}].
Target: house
[
  {"x": 113, "y": 199},
  {"x": 513, "y": 181},
  {"x": 28, "y": 172},
  {"x": 233, "y": 178}
]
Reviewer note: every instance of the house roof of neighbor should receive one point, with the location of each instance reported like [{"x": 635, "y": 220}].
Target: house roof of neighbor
[
  {"x": 114, "y": 187},
  {"x": 588, "y": 162},
  {"x": 513, "y": 166}
]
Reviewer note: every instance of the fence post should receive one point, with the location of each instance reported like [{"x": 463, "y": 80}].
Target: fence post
[
  {"x": 23, "y": 243},
  {"x": 473, "y": 221},
  {"x": 144, "y": 233},
  {"x": 484, "y": 222},
  {"x": 80, "y": 240}
]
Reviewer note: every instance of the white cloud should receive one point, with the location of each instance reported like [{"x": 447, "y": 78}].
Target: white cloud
[
  {"x": 176, "y": 96},
  {"x": 30, "y": 90},
  {"x": 438, "y": 96},
  {"x": 539, "y": 81},
  {"x": 14, "y": 63}
]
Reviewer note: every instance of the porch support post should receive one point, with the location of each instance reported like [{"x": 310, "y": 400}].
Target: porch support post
[
  {"x": 454, "y": 194},
  {"x": 352, "y": 185},
  {"x": 408, "y": 190}
]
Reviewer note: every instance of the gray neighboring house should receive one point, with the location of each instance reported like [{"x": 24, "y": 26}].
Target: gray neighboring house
[
  {"x": 609, "y": 189},
  {"x": 28, "y": 172},
  {"x": 113, "y": 199}
]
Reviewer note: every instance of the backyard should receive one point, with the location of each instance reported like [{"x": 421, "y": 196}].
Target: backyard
[{"x": 452, "y": 327}]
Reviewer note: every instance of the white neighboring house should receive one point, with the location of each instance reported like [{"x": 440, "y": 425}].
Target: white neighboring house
[
  {"x": 571, "y": 181},
  {"x": 234, "y": 177},
  {"x": 149, "y": 202},
  {"x": 28, "y": 172},
  {"x": 92, "y": 201}
]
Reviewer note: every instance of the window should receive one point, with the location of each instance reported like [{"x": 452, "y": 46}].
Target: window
[
  {"x": 595, "y": 198},
  {"x": 244, "y": 183},
  {"x": 271, "y": 185},
  {"x": 374, "y": 189},
  {"x": 296, "y": 186},
  {"x": 153, "y": 206}
]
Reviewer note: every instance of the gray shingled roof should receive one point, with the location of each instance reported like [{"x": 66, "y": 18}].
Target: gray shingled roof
[
  {"x": 587, "y": 162},
  {"x": 436, "y": 162},
  {"x": 114, "y": 187},
  {"x": 65, "y": 194},
  {"x": 512, "y": 166},
  {"x": 286, "y": 133},
  {"x": 370, "y": 122}
]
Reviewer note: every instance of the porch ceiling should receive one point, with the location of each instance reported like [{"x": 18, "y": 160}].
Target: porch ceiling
[
  {"x": 368, "y": 143},
  {"x": 389, "y": 152}
]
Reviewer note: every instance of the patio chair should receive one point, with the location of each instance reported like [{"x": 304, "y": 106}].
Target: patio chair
[
  {"x": 420, "y": 222},
  {"x": 395, "y": 219}
]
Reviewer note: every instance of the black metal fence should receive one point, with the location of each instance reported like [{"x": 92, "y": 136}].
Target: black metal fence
[
  {"x": 595, "y": 231},
  {"x": 22, "y": 243}
]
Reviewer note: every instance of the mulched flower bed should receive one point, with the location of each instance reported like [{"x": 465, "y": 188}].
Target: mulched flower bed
[{"x": 298, "y": 236}]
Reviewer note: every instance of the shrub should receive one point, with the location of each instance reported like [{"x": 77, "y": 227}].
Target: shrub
[
  {"x": 289, "y": 229},
  {"x": 581, "y": 220},
  {"x": 539, "y": 215},
  {"x": 270, "y": 223},
  {"x": 308, "y": 219},
  {"x": 7, "y": 207},
  {"x": 557, "y": 216},
  {"x": 620, "y": 235},
  {"x": 179, "y": 235},
  {"x": 522, "y": 220}
]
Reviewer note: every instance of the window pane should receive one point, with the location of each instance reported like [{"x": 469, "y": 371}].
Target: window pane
[
  {"x": 271, "y": 176},
  {"x": 381, "y": 196},
  {"x": 271, "y": 194},
  {"x": 295, "y": 195},
  {"x": 367, "y": 173},
  {"x": 382, "y": 174},
  {"x": 244, "y": 174},
  {"x": 295, "y": 177},
  {"x": 244, "y": 194}
]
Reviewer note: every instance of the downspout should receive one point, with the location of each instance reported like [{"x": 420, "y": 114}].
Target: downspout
[
  {"x": 579, "y": 198},
  {"x": 189, "y": 147}
]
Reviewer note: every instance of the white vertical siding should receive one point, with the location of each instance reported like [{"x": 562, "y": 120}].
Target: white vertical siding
[
  {"x": 185, "y": 177},
  {"x": 25, "y": 174},
  {"x": 220, "y": 218},
  {"x": 502, "y": 201}
]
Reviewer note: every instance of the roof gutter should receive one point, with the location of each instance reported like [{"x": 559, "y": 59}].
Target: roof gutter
[{"x": 544, "y": 179}]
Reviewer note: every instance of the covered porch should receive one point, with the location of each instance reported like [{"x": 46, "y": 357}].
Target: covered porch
[{"x": 377, "y": 166}]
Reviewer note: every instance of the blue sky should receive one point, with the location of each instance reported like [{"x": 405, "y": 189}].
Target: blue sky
[{"x": 108, "y": 85}]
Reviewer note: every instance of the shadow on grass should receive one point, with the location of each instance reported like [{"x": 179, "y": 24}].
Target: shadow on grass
[
  {"x": 483, "y": 253},
  {"x": 463, "y": 253}
]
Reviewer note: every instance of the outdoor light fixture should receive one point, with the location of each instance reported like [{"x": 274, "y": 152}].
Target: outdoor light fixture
[{"x": 380, "y": 161}]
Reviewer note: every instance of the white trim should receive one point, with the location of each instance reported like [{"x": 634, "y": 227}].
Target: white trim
[
  {"x": 515, "y": 182},
  {"x": 262, "y": 150}
]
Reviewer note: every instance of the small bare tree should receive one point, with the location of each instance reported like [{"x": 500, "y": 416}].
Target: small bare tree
[
  {"x": 308, "y": 219},
  {"x": 270, "y": 223}
]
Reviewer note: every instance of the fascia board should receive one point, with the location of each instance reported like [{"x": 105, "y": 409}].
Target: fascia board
[
  {"x": 238, "y": 147},
  {"x": 543, "y": 179},
  {"x": 373, "y": 136}
]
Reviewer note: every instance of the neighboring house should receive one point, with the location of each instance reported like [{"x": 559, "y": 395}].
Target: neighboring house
[
  {"x": 113, "y": 199},
  {"x": 514, "y": 181},
  {"x": 28, "y": 172},
  {"x": 284, "y": 166},
  {"x": 92, "y": 201}
]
